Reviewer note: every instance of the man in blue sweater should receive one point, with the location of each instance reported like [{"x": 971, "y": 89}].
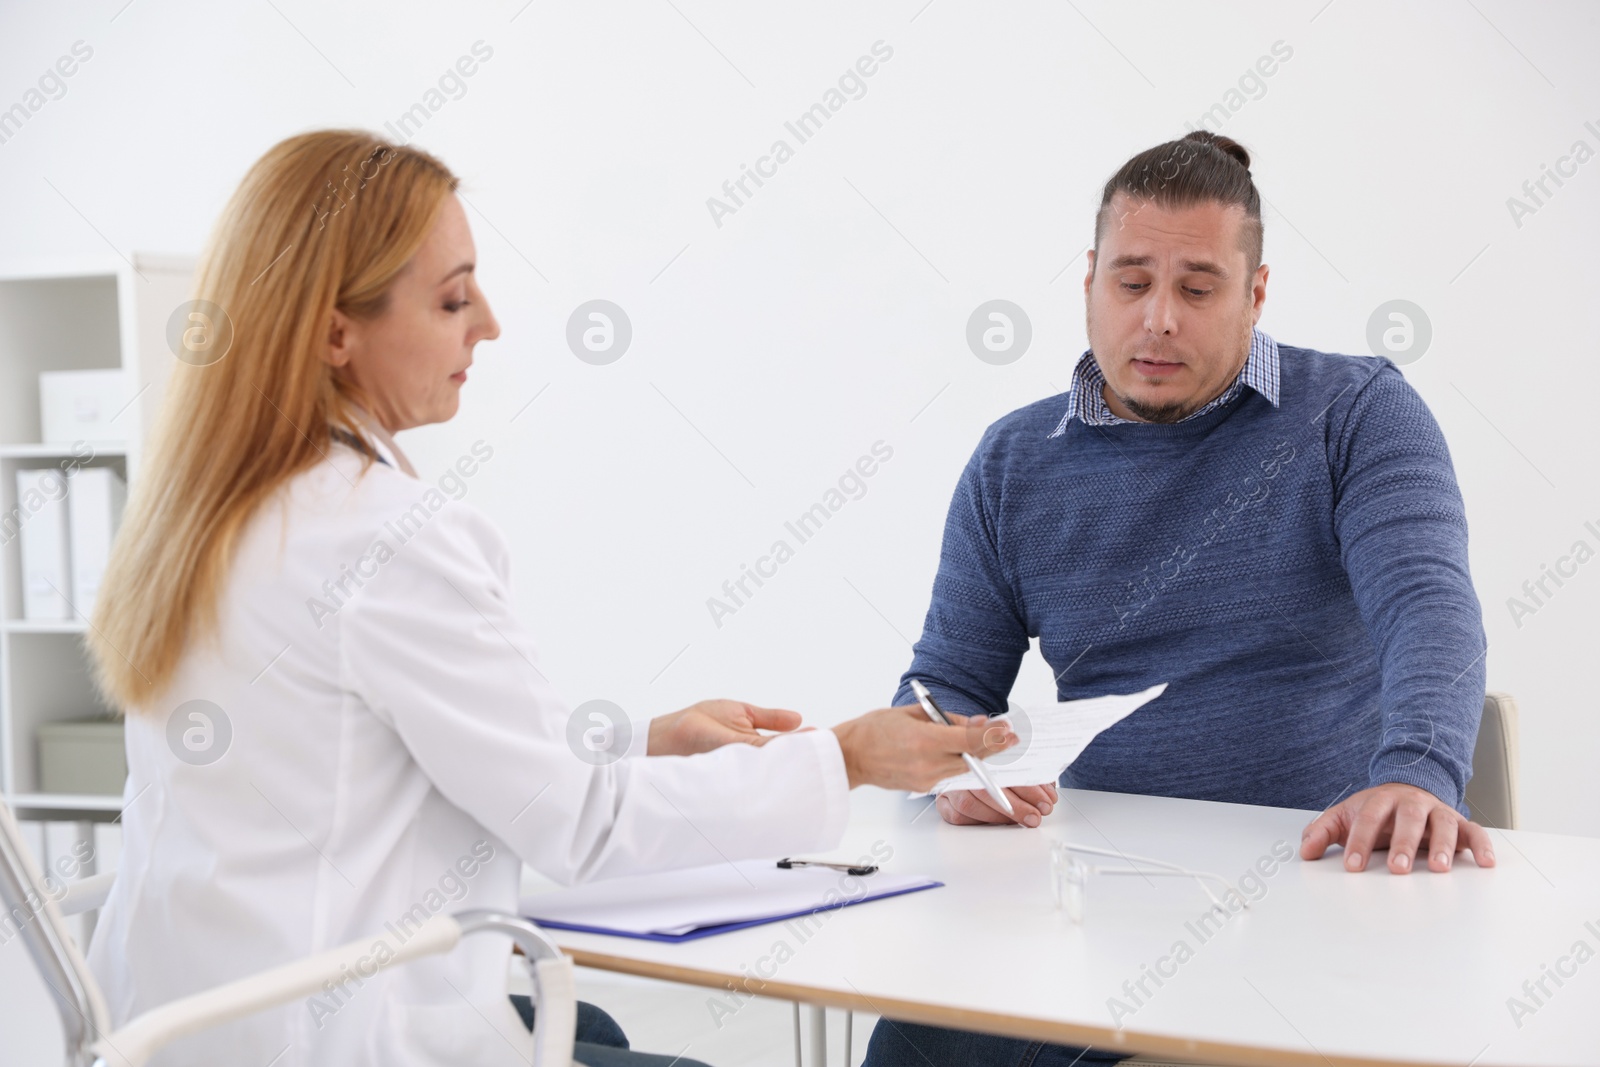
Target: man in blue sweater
[{"x": 1275, "y": 531}]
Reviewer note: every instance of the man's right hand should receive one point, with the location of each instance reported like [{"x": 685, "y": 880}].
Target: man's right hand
[
  {"x": 974, "y": 807},
  {"x": 901, "y": 748}
]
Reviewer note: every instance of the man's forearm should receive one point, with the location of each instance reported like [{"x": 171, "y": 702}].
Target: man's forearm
[{"x": 1402, "y": 525}]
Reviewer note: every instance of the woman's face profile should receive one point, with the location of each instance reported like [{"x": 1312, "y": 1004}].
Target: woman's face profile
[{"x": 412, "y": 359}]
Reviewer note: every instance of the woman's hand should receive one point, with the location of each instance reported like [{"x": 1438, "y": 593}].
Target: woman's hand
[
  {"x": 901, "y": 748},
  {"x": 713, "y": 723}
]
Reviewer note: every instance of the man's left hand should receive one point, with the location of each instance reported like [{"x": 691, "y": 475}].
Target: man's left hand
[
  {"x": 1401, "y": 818},
  {"x": 713, "y": 723}
]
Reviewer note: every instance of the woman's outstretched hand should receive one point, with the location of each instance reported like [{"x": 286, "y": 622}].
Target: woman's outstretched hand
[
  {"x": 713, "y": 723},
  {"x": 896, "y": 748},
  {"x": 901, "y": 748}
]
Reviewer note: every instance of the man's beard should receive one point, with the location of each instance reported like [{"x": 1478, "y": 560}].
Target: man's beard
[
  {"x": 1162, "y": 413},
  {"x": 1168, "y": 412}
]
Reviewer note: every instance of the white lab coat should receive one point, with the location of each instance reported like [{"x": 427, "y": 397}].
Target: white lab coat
[{"x": 394, "y": 752}]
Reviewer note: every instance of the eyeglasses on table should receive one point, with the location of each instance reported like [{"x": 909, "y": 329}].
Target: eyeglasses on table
[{"x": 1069, "y": 876}]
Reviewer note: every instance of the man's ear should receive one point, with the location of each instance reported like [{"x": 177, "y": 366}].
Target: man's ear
[
  {"x": 1088, "y": 277},
  {"x": 1258, "y": 293},
  {"x": 341, "y": 340}
]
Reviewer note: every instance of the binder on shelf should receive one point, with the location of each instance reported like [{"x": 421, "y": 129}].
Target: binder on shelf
[
  {"x": 95, "y": 497},
  {"x": 46, "y": 578},
  {"x": 702, "y": 901}
]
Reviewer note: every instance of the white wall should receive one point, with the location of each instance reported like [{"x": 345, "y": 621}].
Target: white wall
[{"x": 829, "y": 312}]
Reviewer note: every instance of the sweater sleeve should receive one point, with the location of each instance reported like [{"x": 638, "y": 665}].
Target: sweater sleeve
[
  {"x": 1402, "y": 533},
  {"x": 974, "y": 636}
]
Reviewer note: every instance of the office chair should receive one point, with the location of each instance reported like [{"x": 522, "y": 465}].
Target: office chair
[
  {"x": 1492, "y": 792},
  {"x": 32, "y": 906}
]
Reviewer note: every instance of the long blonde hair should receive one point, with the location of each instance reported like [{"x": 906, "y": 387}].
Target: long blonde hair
[{"x": 323, "y": 220}]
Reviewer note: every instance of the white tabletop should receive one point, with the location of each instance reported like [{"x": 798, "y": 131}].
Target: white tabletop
[{"x": 1326, "y": 968}]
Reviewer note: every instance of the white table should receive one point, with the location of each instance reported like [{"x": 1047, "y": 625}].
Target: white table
[{"x": 1326, "y": 968}]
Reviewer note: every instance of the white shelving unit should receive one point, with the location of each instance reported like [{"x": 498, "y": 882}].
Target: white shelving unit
[{"x": 89, "y": 316}]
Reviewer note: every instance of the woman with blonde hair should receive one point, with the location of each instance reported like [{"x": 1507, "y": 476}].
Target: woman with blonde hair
[{"x": 335, "y": 721}]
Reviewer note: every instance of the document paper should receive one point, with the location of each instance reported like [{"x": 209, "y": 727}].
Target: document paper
[
  {"x": 1060, "y": 733},
  {"x": 699, "y": 901}
]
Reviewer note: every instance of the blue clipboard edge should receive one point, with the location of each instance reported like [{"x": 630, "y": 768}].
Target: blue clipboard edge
[{"x": 726, "y": 928}]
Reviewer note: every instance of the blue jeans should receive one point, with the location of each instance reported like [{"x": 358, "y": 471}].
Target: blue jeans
[
  {"x": 914, "y": 1045},
  {"x": 600, "y": 1042}
]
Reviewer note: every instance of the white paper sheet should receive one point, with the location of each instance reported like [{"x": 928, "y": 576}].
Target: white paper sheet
[
  {"x": 678, "y": 902},
  {"x": 1061, "y": 731}
]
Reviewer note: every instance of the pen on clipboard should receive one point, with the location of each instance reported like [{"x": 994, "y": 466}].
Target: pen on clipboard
[
  {"x": 925, "y": 698},
  {"x": 789, "y": 863}
]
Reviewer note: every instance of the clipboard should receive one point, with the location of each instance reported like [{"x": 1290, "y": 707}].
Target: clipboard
[{"x": 697, "y": 902}]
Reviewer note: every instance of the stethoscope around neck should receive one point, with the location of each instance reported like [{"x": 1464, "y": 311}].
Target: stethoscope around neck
[{"x": 341, "y": 434}]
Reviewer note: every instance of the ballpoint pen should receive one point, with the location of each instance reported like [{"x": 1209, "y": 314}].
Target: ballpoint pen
[{"x": 925, "y": 698}]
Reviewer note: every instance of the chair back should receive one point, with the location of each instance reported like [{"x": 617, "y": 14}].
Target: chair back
[
  {"x": 1492, "y": 792},
  {"x": 33, "y": 913},
  {"x": 29, "y": 899}
]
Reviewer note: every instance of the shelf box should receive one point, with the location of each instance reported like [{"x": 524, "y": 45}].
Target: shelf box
[
  {"x": 82, "y": 405},
  {"x": 82, "y": 756},
  {"x": 52, "y": 324}
]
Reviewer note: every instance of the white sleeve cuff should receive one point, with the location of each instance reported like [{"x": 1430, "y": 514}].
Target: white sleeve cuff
[
  {"x": 638, "y": 738},
  {"x": 833, "y": 794}
]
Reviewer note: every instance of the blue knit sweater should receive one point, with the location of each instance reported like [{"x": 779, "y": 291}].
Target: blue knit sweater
[{"x": 1297, "y": 573}]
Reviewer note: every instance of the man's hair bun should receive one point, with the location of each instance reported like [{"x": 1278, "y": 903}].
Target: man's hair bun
[
  {"x": 1227, "y": 144},
  {"x": 1180, "y": 173}
]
